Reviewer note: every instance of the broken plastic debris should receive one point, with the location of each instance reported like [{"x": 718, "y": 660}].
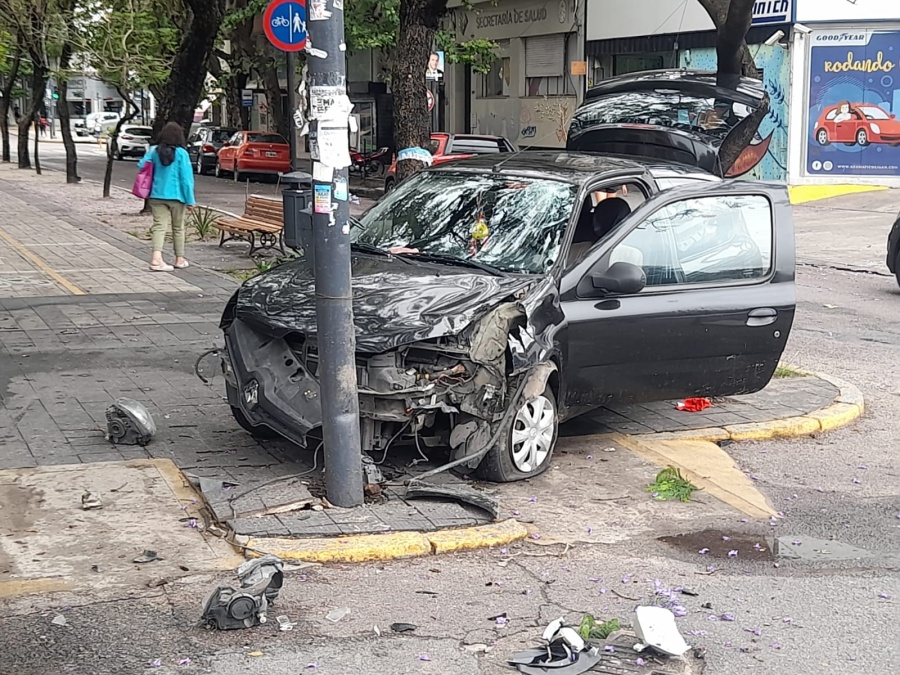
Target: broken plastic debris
[
  {"x": 732, "y": 553},
  {"x": 256, "y": 653},
  {"x": 655, "y": 627},
  {"x": 59, "y": 620},
  {"x": 336, "y": 615},
  {"x": 403, "y": 627},
  {"x": 90, "y": 500},
  {"x": 693, "y": 404},
  {"x": 284, "y": 623},
  {"x": 147, "y": 556}
]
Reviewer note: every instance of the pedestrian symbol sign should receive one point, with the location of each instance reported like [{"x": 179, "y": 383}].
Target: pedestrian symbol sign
[{"x": 285, "y": 24}]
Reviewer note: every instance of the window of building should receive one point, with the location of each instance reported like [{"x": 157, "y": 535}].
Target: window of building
[
  {"x": 545, "y": 66},
  {"x": 495, "y": 82},
  {"x": 633, "y": 63}
]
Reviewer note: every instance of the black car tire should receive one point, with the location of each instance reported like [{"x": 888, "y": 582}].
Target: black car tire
[
  {"x": 822, "y": 137},
  {"x": 219, "y": 172},
  {"x": 503, "y": 464},
  {"x": 897, "y": 265},
  {"x": 388, "y": 185},
  {"x": 238, "y": 175},
  {"x": 198, "y": 166},
  {"x": 264, "y": 433}
]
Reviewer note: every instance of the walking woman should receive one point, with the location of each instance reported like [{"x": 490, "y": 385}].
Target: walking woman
[{"x": 171, "y": 194}]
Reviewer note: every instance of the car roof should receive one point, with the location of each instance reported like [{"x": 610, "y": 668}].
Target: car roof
[
  {"x": 573, "y": 167},
  {"x": 696, "y": 82},
  {"x": 482, "y": 137}
]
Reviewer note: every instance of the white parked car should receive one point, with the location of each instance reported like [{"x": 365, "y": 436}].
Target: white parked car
[
  {"x": 91, "y": 122},
  {"x": 132, "y": 142}
]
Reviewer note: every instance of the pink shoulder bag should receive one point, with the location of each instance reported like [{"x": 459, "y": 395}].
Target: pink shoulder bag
[{"x": 143, "y": 183}]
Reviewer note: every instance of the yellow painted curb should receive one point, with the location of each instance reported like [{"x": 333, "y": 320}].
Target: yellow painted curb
[
  {"x": 801, "y": 194},
  {"x": 388, "y": 546},
  {"x": 483, "y": 536},
  {"x": 708, "y": 467},
  {"x": 836, "y": 416},
  {"x": 784, "y": 428}
]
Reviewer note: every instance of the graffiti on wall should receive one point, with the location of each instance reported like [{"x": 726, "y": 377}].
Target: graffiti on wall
[
  {"x": 766, "y": 157},
  {"x": 538, "y": 122}
]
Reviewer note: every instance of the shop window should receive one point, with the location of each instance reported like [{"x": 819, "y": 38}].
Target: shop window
[
  {"x": 545, "y": 66},
  {"x": 495, "y": 82},
  {"x": 622, "y": 65}
]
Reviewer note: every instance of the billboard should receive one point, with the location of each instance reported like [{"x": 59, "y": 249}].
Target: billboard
[{"x": 854, "y": 103}]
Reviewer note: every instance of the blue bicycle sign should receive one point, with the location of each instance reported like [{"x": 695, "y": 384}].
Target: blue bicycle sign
[{"x": 285, "y": 24}]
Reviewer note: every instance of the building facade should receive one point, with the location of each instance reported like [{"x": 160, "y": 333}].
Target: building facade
[
  {"x": 845, "y": 102},
  {"x": 534, "y": 84}
]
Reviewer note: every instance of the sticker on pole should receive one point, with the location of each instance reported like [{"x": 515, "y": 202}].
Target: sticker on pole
[
  {"x": 284, "y": 22},
  {"x": 322, "y": 199},
  {"x": 430, "y": 99}
]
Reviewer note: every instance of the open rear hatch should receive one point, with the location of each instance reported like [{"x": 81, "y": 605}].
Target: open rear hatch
[{"x": 670, "y": 115}]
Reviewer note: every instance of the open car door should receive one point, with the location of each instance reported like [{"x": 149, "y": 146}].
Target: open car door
[{"x": 691, "y": 295}]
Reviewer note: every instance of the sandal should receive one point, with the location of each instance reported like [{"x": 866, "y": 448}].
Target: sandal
[
  {"x": 161, "y": 268},
  {"x": 182, "y": 265}
]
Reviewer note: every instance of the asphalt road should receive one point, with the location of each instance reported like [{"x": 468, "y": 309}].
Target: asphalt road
[
  {"x": 802, "y": 617},
  {"x": 220, "y": 193}
]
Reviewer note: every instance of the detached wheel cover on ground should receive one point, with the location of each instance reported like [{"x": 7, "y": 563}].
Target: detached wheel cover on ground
[{"x": 529, "y": 442}]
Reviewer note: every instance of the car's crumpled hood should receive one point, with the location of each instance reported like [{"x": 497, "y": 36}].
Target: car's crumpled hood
[{"x": 394, "y": 302}]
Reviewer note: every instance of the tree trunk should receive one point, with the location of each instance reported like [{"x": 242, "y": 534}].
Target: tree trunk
[
  {"x": 65, "y": 120},
  {"x": 131, "y": 112},
  {"x": 37, "y": 158},
  {"x": 269, "y": 69},
  {"x": 419, "y": 21},
  {"x": 181, "y": 92},
  {"x": 238, "y": 115},
  {"x": 38, "y": 86},
  {"x": 5, "y": 101}
]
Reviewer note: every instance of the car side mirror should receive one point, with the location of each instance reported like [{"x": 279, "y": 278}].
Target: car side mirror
[{"x": 621, "y": 278}]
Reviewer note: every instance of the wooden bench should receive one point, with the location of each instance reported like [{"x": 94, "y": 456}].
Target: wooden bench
[{"x": 262, "y": 225}]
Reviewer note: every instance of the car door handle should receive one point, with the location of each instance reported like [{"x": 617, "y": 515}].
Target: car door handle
[{"x": 762, "y": 317}]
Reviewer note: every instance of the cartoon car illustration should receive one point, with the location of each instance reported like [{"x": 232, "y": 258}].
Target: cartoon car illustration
[{"x": 857, "y": 124}]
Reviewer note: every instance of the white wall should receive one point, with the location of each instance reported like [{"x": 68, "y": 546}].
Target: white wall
[
  {"x": 632, "y": 18},
  {"x": 843, "y": 10}
]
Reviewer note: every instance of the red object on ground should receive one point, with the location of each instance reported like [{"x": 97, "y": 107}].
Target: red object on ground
[{"x": 693, "y": 404}]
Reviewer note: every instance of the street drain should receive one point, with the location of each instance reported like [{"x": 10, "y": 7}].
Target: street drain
[
  {"x": 819, "y": 550},
  {"x": 720, "y": 544}
]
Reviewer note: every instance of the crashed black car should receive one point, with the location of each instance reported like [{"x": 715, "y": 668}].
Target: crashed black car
[{"x": 495, "y": 298}]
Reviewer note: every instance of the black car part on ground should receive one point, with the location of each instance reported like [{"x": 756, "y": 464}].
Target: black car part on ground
[
  {"x": 893, "y": 249},
  {"x": 228, "y": 608}
]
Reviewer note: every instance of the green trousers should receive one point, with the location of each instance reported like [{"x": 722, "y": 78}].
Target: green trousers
[{"x": 167, "y": 213}]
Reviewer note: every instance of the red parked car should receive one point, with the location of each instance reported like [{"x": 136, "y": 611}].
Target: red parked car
[
  {"x": 257, "y": 152},
  {"x": 857, "y": 124},
  {"x": 448, "y": 147}
]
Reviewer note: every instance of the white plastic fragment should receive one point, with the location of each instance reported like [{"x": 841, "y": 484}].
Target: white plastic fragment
[{"x": 656, "y": 628}]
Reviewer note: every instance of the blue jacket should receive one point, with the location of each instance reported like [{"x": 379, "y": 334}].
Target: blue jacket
[{"x": 175, "y": 181}]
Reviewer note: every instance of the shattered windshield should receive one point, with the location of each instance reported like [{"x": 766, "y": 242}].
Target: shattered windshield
[{"x": 511, "y": 224}]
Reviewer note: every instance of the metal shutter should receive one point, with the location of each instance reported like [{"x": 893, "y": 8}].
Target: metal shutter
[{"x": 545, "y": 56}]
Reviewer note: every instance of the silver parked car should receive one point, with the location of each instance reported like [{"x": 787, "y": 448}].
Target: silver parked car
[{"x": 132, "y": 141}]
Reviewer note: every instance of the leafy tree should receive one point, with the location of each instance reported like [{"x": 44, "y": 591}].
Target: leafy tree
[
  {"x": 10, "y": 64},
  {"x": 67, "y": 13},
  {"x": 123, "y": 43},
  {"x": 732, "y": 20}
]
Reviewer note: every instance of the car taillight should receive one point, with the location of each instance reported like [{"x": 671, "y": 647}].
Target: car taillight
[
  {"x": 208, "y": 148},
  {"x": 248, "y": 152}
]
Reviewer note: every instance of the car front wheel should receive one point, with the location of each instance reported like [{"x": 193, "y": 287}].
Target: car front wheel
[
  {"x": 862, "y": 138},
  {"x": 822, "y": 137},
  {"x": 529, "y": 444}
]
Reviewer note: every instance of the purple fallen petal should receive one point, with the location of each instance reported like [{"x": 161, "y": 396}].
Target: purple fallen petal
[
  {"x": 710, "y": 568},
  {"x": 732, "y": 554},
  {"x": 729, "y": 644},
  {"x": 594, "y": 579},
  {"x": 654, "y": 494},
  {"x": 796, "y": 542},
  {"x": 535, "y": 536},
  {"x": 602, "y": 590},
  {"x": 884, "y": 596},
  {"x": 532, "y": 499},
  {"x": 713, "y": 617},
  {"x": 744, "y": 650},
  {"x": 184, "y": 662},
  {"x": 640, "y": 662},
  {"x": 776, "y": 645},
  {"x": 856, "y": 481},
  {"x": 590, "y": 530},
  {"x": 679, "y": 610},
  {"x": 703, "y": 551},
  {"x": 788, "y": 619},
  {"x": 609, "y": 649},
  {"x": 502, "y": 621},
  {"x": 727, "y": 617},
  {"x": 312, "y": 664},
  {"x": 589, "y": 457},
  {"x": 726, "y": 538},
  {"x": 517, "y": 513},
  {"x": 863, "y": 467},
  {"x": 756, "y": 631},
  {"x": 156, "y": 663},
  {"x": 504, "y": 551},
  {"x": 699, "y": 633},
  {"x": 424, "y": 657}
]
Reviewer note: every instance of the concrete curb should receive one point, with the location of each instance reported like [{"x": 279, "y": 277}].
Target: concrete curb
[
  {"x": 847, "y": 407},
  {"x": 388, "y": 546}
]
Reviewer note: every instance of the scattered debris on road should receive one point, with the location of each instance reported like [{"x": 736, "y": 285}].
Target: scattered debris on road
[
  {"x": 693, "y": 404},
  {"x": 403, "y": 627},
  {"x": 59, "y": 620},
  {"x": 90, "y": 501},
  {"x": 655, "y": 627},
  {"x": 147, "y": 556},
  {"x": 336, "y": 615},
  {"x": 261, "y": 580},
  {"x": 284, "y": 623},
  {"x": 420, "y": 490}
]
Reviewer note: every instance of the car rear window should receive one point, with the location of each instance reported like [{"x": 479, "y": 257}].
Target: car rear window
[
  {"x": 266, "y": 138},
  {"x": 138, "y": 131},
  {"x": 478, "y": 146},
  {"x": 222, "y": 135}
]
